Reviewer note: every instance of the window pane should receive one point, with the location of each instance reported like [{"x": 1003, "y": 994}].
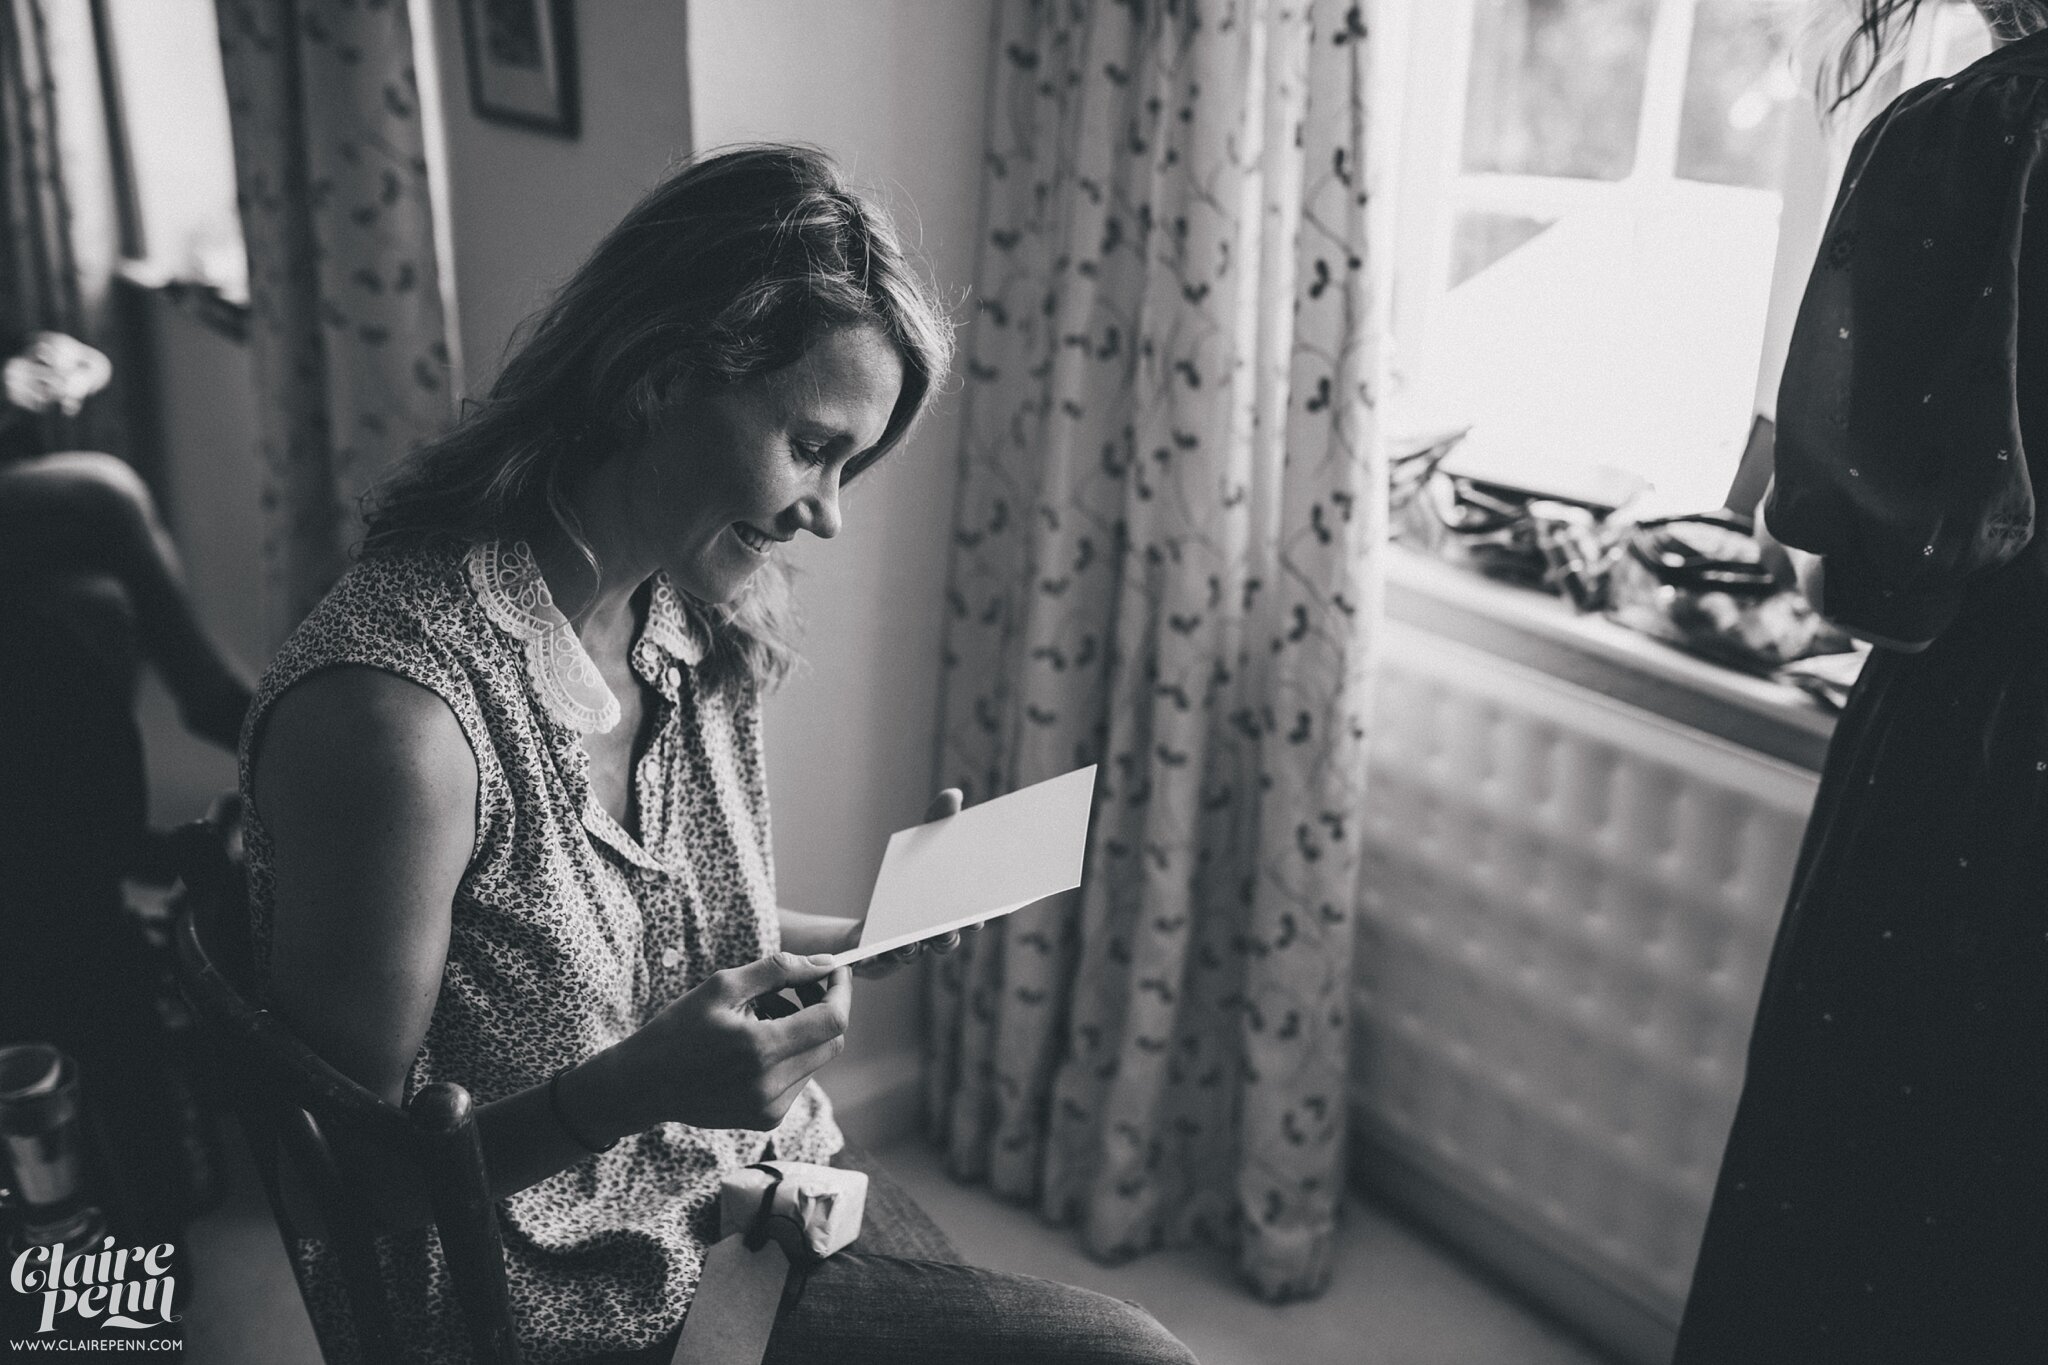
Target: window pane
[
  {"x": 1739, "y": 90},
  {"x": 1625, "y": 333},
  {"x": 1556, "y": 86},
  {"x": 1959, "y": 38},
  {"x": 1480, "y": 238},
  {"x": 175, "y": 103}
]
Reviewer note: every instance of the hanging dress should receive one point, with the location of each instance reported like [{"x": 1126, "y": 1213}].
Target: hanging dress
[{"x": 1884, "y": 1194}]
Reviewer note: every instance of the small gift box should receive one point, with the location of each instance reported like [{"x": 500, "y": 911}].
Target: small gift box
[{"x": 810, "y": 1211}]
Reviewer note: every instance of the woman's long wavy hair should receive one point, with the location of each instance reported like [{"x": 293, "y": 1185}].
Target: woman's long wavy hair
[
  {"x": 727, "y": 271},
  {"x": 1880, "y": 25}
]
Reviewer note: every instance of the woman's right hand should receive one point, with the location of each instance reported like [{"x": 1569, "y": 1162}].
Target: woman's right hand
[
  {"x": 368, "y": 789},
  {"x": 712, "y": 1059}
]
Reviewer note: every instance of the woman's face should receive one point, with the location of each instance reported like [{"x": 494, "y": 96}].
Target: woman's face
[{"x": 729, "y": 477}]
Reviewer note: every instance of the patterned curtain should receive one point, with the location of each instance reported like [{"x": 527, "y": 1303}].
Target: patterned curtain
[
  {"x": 346, "y": 330},
  {"x": 1166, "y": 561},
  {"x": 39, "y": 279}
]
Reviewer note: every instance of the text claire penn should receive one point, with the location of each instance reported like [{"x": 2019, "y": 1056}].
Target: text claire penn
[{"x": 97, "y": 1285}]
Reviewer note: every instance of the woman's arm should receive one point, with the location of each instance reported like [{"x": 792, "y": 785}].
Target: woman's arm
[
  {"x": 1810, "y": 572},
  {"x": 368, "y": 790},
  {"x": 1899, "y": 454}
]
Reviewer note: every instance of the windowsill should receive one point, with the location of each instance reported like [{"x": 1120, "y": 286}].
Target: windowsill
[
  {"x": 1547, "y": 634},
  {"x": 196, "y": 299}
]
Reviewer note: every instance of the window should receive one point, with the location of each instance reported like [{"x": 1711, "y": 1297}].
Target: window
[
  {"x": 175, "y": 154},
  {"x": 1589, "y": 213},
  {"x": 165, "y": 57}
]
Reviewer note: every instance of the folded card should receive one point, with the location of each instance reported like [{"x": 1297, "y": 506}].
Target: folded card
[{"x": 984, "y": 862}]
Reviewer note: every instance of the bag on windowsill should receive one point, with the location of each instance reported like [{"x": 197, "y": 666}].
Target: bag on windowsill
[
  {"x": 1557, "y": 546},
  {"x": 1704, "y": 584}
]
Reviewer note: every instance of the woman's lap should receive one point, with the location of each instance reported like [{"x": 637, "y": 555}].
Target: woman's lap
[
  {"x": 870, "y": 1310},
  {"x": 892, "y": 1223},
  {"x": 899, "y": 1294},
  {"x": 857, "y": 1308}
]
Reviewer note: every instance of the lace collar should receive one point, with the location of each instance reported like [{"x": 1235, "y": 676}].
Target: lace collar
[
  {"x": 514, "y": 596},
  {"x": 668, "y": 626}
]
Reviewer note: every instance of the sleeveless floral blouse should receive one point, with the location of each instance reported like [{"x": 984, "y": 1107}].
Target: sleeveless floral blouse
[{"x": 568, "y": 931}]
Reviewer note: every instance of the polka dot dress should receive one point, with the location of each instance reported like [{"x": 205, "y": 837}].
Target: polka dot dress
[
  {"x": 568, "y": 933},
  {"x": 1884, "y": 1195}
]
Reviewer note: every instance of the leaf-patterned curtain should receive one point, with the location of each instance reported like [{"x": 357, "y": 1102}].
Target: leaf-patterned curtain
[
  {"x": 346, "y": 330},
  {"x": 1166, "y": 560}
]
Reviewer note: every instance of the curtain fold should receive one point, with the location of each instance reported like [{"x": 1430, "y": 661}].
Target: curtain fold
[
  {"x": 39, "y": 276},
  {"x": 1166, "y": 561},
  {"x": 39, "y": 287},
  {"x": 346, "y": 334}
]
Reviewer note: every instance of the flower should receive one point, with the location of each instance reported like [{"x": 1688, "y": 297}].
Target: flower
[{"x": 56, "y": 373}]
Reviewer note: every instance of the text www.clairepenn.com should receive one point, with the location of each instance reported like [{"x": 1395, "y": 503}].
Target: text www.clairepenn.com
[{"x": 94, "y": 1344}]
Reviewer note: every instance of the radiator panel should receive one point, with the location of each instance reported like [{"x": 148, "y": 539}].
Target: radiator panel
[{"x": 1566, "y": 909}]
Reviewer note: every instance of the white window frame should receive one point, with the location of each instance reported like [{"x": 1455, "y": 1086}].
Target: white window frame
[
  {"x": 1813, "y": 172},
  {"x": 1433, "y": 39},
  {"x": 1540, "y": 632},
  {"x": 1454, "y": 190},
  {"x": 1434, "y": 186}
]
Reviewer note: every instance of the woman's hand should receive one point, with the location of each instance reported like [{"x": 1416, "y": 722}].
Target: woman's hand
[
  {"x": 368, "y": 789},
  {"x": 946, "y": 803},
  {"x": 804, "y": 932},
  {"x": 728, "y": 1054}
]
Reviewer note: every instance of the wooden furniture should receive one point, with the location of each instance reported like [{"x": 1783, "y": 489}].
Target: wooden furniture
[{"x": 296, "y": 1109}]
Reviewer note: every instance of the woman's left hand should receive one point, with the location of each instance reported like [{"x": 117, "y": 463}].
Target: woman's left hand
[{"x": 804, "y": 933}]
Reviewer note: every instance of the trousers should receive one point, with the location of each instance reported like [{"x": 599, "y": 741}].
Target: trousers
[{"x": 899, "y": 1295}]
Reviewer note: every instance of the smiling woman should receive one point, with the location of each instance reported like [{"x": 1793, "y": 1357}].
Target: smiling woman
[
  {"x": 506, "y": 820},
  {"x": 724, "y": 274},
  {"x": 713, "y": 490}
]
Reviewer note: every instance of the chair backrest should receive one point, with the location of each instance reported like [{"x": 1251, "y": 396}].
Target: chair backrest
[{"x": 293, "y": 1106}]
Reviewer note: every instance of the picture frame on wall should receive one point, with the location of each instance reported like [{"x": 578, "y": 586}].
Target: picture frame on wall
[{"x": 522, "y": 63}]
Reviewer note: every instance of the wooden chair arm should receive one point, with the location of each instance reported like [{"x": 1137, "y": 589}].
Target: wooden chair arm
[{"x": 451, "y": 1151}]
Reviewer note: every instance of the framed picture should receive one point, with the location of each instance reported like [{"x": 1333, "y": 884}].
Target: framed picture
[{"x": 522, "y": 62}]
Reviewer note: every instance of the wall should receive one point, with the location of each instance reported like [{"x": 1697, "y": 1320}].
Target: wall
[
  {"x": 211, "y": 488},
  {"x": 525, "y": 208},
  {"x": 894, "y": 89}
]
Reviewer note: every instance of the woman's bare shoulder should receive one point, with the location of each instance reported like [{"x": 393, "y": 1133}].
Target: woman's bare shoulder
[
  {"x": 355, "y": 740},
  {"x": 366, "y": 789}
]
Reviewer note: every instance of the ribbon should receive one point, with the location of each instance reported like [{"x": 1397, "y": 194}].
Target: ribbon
[{"x": 807, "y": 1212}]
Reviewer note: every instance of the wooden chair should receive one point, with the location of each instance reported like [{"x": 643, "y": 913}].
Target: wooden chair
[{"x": 292, "y": 1105}]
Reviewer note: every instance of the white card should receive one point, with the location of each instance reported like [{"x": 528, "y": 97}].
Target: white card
[{"x": 986, "y": 861}]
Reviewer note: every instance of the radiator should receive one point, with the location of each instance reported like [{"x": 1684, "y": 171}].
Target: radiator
[{"x": 1566, "y": 909}]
